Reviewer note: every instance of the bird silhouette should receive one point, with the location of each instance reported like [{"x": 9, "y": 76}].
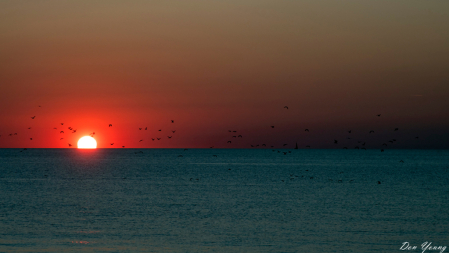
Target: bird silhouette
[
  {"x": 174, "y": 131},
  {"x": 110, "y": 125},
  {"x": 349, "y": 131},
  {"x": 160, "y": 130},
  {"x": 335, "y": 141},
  {"x": 61, "y": 138},
  {"x": 306, "y": 130},
  {"x": 61, "y": 132},
  {"x": 33, "y": 117},
  {"x": 140, "y": 140},
  {"x": 229, "y": 142},
  {"x": 62, "y": 124},
  {"x": 140, "y": 128},
  {"x": 70, "y": 145},
  {"x": 123, "y": 146},
  {"x": 378, "y": 115},
  {"x": 74, "y": 131},
  {"x": 146, "y": 128},
  {"x": 29, "y": 128},
  {"x": 172, "y": 121},
  {"x": 169, "y": 137},
  {"x": 112, "y": 144},
  {"x": 371, "y": 131},
  {"x": 240, "y": 136},
  {"x": 31, "y": 139},
  {"x": 272, "y": 126},
  {"x": 70, "y": 128},
  {"x": 284, "y": 145},
  {"x": 152, "y": 139},
  {"x": 396, "y": 129},
  {"x": 286, "y": 107}
]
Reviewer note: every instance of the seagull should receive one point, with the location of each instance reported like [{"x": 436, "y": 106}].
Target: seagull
[
  {"x": 240, "y": 136},
  {"x": 284, "y": 145},
  {"x": 229, "y": 142},
  {"x": 61, "y": 132},
  {"x": 158, "y": 138},
  {"x": 286, "y": 107},
  {"x": 169, "y": 137},
  {"x": 33, "y": 117},
  {"x": 152, "y": 139},
  {"x": 174, "y": 131},
  {"x": 15, "y": 133},
  {"x": 74, "y": 131}
]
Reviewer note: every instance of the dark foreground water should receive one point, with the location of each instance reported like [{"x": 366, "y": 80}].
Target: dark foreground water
[{"x": 122, "y": 200}]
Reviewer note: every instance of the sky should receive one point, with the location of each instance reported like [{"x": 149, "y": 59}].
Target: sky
[{"x": 215, "y": 66}]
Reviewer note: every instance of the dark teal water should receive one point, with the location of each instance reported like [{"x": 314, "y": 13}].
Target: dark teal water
[{"x": 122, "y": 200}]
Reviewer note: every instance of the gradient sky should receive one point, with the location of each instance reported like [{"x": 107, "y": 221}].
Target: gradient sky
[{"x": 214, "y": 66}]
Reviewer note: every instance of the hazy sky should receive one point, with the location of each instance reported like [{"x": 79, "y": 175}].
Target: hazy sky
[{"x": 214, "y": 66}]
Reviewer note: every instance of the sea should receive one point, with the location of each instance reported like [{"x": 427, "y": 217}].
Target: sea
[{"x": 224, "y": 200}]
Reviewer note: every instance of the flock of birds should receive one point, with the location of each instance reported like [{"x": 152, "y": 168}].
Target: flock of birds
[{"x": 233, "y": 135}]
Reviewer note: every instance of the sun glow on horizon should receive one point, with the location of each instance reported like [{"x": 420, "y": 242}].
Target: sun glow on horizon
[{"x": 87, "y": 142}]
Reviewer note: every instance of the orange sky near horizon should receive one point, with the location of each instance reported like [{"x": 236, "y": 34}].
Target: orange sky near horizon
[{"x": 214, "y": 66}]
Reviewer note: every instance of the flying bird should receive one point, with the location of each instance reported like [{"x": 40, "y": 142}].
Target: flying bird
[
  {"x": 240, "y": 136},
  {"x": 349, "y": 131},
  {"x": 272, "y": 126},
  {"x": 371, "y": 131},
  {"x": 110, "y": 125},
  {"x": 378, "y": 115},
  {"x": 169, "y": 137},
  {"x": 229, "y": 142},
  {"x": 174, "y": 131},
  {"x": 31, "y": 139},
  {"x": 29, "y": 128},
  {"x": 396, "y": 129},
  {"x": 62, "y": 124},
  {"x": 158, "y": 138},
  {"x": 33, "y": 117},
  {"x": 335, "y": 141},
  {"x": 140, "y": 140},
  {"x": 160, "y": 130},
  {"x": 286, "y": 107},
  {"x": 140, "y": 128},
  {"x": 146, "y": 128},
  {"x": 61, "y": 132},
  {"x": 123, "y": 146},
  {"x": 284, "y": 145},
  {"x": 61, "y": 138},
  {"x": 112, "y": 144},
  {"x": 70, "y": 145},
  {"x": 306, "y": 130},
  {"x": 172, "y": 121},
  {"x": 152, "y": 139}
]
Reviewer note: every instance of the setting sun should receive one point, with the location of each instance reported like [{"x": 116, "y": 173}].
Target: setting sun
[{"x": 87, "y": 142}]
